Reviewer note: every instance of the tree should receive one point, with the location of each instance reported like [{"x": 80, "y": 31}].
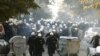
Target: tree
[
  {"x": 91, "y": 4},
  {"x": 9, "y": 8}
]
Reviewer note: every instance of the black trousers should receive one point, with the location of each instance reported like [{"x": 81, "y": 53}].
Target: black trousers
[
  {"x": 39, "y": 54},
  {"x": 31, "y": 52},
  {"x": 51, "y": 51},
  {"x": 50, "y": 54}
]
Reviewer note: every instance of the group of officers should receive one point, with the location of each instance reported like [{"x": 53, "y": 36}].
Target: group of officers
[{"x": 37, "y": 42}]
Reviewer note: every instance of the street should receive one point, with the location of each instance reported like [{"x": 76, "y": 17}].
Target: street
[
  {"x": 83, "y": 48},
  {"x": 82, "y": 52},
  {"x": 44, "y": 53}
]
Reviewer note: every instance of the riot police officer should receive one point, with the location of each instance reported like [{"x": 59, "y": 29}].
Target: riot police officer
[
  {"x": 57, "y": 36},
  {"x": 74, "y": 32},
  {"x": 31, "y": 43},
  {"x": 54, "y": 33},
  {"x": 51, "y": 43},
  {"x": 39, "y": 44}
]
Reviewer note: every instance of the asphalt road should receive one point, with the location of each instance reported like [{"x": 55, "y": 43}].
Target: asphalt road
[
  {"x": 83, "y": 48},
  {"x": 44, "y": 53},
  {"x": 82, "y": 51}
]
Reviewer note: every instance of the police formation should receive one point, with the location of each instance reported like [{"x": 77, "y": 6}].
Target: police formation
[
  {"x": 37, "y": 43},
  {"x": 37, "y": 36},
  {"x": 17, "y": 45}
]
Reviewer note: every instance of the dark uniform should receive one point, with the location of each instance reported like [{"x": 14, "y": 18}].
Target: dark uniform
[
  {"x": 51, "y": 43},
  {"x": 57, "y": 37},
  {"x": 74, "y": 32},
  {"x": 39, "y": 45},
  {"x": 8, "y": 31},
  {"x": 32, "y": 45}
]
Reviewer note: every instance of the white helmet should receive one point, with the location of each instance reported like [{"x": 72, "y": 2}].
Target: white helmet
[
  {"x": 51, "y": 33},
  {"x": 76, "y": 28},
  {"x": 24, "y": 37},
  {"x": 39, "y": 34},
  {"x": 11, "y": 23},
  {"x": 60, "y": 26},
  {"x": 33, "y": 33},
  {"x": 61, "y": 30}
]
